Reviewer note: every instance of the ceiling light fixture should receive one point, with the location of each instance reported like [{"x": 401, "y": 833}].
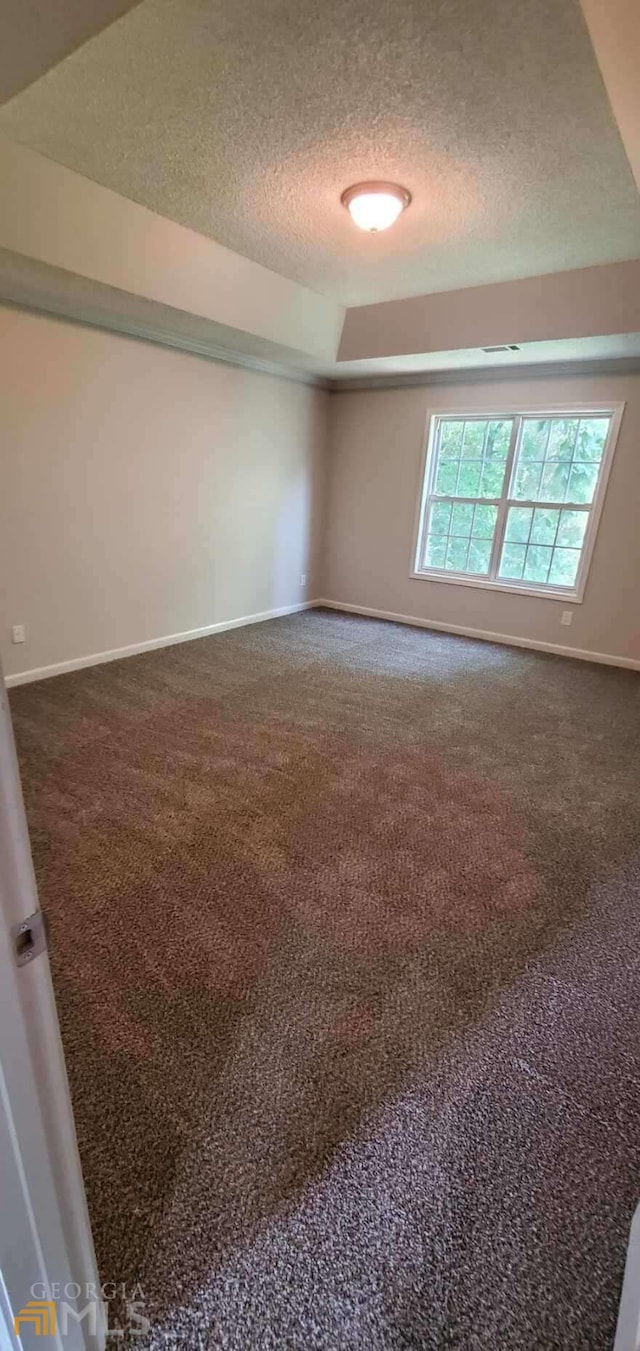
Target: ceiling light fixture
[{"x": 375, "y": 206}]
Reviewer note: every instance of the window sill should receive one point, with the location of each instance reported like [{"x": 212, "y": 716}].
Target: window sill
[{"x": 514, "y": 588}]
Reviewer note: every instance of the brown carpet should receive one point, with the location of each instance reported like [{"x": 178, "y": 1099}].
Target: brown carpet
[{"x": 345, "y": 931}]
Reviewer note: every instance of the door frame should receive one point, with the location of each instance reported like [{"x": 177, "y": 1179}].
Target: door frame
[
  {"x": 36, "y": 1116},
  {"x": 628, "y": 1329}
]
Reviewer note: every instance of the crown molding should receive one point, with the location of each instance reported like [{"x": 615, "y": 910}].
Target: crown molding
[
  {"x": 481, "y": 374},
  {"x": 130, "y": 328},
  {"x": 73, "y": 313}
]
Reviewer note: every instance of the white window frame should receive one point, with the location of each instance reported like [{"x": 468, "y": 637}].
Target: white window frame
[{"x": 427, "y": 475}]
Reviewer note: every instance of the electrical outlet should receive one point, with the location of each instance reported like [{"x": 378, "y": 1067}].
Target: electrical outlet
[
  {"x": 303, "y": 579},
  {"x": 18, "y": 633},
  {"x": 566, "y": 616}
]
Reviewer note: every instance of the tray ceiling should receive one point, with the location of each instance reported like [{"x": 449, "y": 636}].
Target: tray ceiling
[
  {"x": 36, "y": 34},
  {"x": 246, "y": 121}
]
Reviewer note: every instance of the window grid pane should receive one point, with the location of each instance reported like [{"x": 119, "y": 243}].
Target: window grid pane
[
  {"x": 459, "y": 536},
  {"x": 471, "y": 457},
  {"x": 553, "y": 469},
  {"x": 557, "y": 549},
  {"x": 558, "y": 459}
]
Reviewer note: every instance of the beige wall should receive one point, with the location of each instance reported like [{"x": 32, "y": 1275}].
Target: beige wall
[
  {"x": 145, "y": 492},
  {"x": 587, "y": 302},
  {"x": 376, "y": 441}
]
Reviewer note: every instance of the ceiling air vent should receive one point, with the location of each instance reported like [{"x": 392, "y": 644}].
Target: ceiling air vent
[{"x": 503, "y": 347}]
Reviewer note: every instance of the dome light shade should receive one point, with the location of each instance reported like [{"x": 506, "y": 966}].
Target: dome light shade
[{"x": 375, "y": 206}]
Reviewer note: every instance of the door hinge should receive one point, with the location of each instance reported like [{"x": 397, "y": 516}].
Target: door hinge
[{"x": 29, "y": 938}]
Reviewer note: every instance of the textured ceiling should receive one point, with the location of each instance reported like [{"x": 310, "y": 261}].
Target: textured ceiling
[
  {"x": 246, "y": 120},
  {"x": 36, "y": 34}
]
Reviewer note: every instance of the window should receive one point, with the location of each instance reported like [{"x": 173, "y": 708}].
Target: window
[{"x": 512, "y": 501}]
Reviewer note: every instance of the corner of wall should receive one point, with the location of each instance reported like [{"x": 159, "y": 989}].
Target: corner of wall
[{"x": 320, "y": 497}]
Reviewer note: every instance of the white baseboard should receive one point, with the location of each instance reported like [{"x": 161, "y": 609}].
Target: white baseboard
[
  {"x": 96, "y": 658},
  {"x": 607, "y": 658}
]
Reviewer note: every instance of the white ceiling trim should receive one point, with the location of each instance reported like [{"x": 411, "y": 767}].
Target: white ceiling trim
[
  {"x": 79, "y": 251},
  {"x": 211, "y": 352},
  {"x": 62, "y": 220},
  {"x": 131, "y": 328},
  {"x": 473, "y": 375}
]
